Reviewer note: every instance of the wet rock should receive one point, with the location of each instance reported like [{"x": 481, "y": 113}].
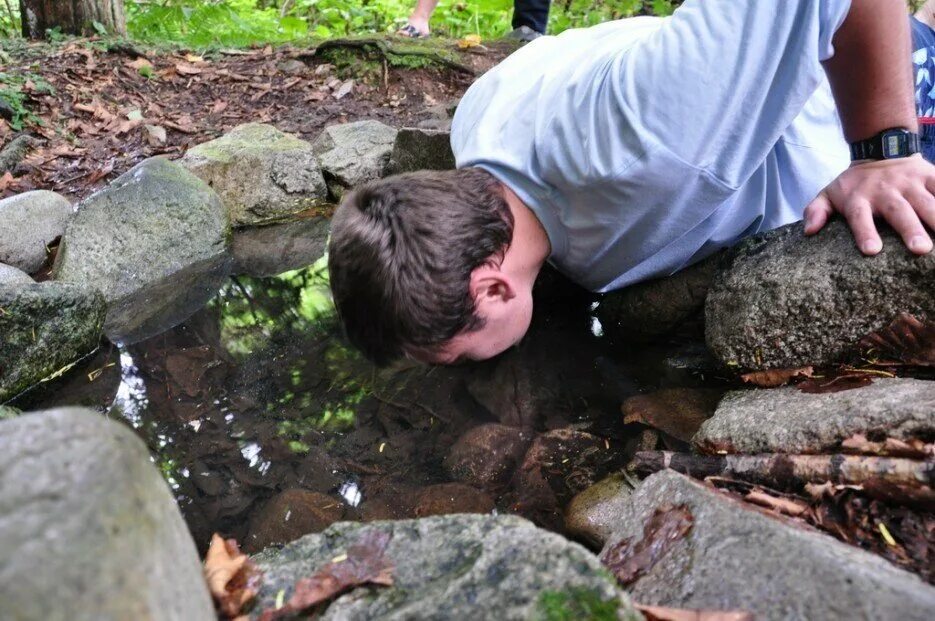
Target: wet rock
[
  {"x": 291, "y": 514},
  {"x": 736, "y": 558},
  {"x": 653, "y": 308},
  {"x": 28, "y": 223},
  {"x": 261, "y": 173},
  {"x": 678, "y": 412},
  {"x": 591, "y": 513},
  {"x": 277, "y": 248},
  {"x": 89, "y": 528},
  {"x": 788, "y": 300},
  {"x": 511, "y": 390},
  {"x": 43, "y": 328},
  {"x": 154, "y": 242},
  {"x": 487, "y": 455},
  {"x": 446, "y": 498},
  {"x": 456, "y": 567},
  {"x": 354, "y": 153},
  {"x": 787, "y": 420},
  {"x": 13, "y": 276},
  {"x": 421, "y": 149}
]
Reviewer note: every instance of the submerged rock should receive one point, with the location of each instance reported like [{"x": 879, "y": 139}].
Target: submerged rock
[
  {"x": 456, "y": 567},
  {"x": 354, "y": 153},
  {"x": 88, "y": 527},
  {"x": 653, "y": 308},
  {"x": 43, "y": 328},
  {"x": 277, "y": 248},
  {"x": 28, "y": 223},
  {"x": 591, "y": 513},
  {"x": 421, "y": 149},
  {"x": 154, "y": 242},
  {"x": 12, "y": 276},
  {"x": 261, "y": 173},
  {"x": 446, "y": 498},
  {"x": 787, "y": 420},
  {"x": 788, "y": 300},
  {"x": 487, "y": 455},
  {"x": 678, "y": 412},
  {"x": 291, "y": 514},
  {"x": 734, "y": 557}
]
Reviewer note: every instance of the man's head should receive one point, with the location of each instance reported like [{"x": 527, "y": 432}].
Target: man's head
[{"x": 416, "y": 268}]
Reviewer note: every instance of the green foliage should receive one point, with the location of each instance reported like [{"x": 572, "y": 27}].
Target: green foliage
[
  {"x": 576, "y": 604},
  {"x": 13, "y": 97}
]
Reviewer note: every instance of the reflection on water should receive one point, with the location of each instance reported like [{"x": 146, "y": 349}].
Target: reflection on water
[{"x": 256, "y": 404}]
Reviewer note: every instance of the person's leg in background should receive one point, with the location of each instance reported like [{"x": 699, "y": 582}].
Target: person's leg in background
[
  {"x": 418, "y": 25},
  {"x": 530, "y": 19}
]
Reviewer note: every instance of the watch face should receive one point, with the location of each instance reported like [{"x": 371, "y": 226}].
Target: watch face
[{"x": 893, "y": 144}]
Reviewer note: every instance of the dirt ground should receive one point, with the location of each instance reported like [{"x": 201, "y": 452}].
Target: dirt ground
[{"x": 110, "y": 106}]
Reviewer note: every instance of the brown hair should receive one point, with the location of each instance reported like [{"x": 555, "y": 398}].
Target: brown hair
[{"x": 401, "y": 255}]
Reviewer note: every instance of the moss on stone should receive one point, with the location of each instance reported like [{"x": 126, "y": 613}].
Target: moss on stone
[{"x": 575, "y": 604}]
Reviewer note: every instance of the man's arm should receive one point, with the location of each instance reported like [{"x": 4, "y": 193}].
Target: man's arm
[{"x": 871, "y": 78}]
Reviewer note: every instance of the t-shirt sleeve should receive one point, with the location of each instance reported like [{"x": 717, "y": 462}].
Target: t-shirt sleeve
[{"x": 721, "y": 80}]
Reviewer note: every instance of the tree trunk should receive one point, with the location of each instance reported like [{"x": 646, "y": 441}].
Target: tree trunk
[{"x": 72, "y": 16}]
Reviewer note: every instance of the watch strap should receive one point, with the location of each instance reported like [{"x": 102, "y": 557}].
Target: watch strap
[{"x": 874, "y": 148}]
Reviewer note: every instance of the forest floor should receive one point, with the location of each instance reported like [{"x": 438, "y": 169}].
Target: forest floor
[{"x": 97, "y": 108}]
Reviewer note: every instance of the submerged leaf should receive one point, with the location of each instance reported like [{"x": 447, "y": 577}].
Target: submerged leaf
[
  {"x": 772, "y": 378},
  {"x": 907, "y": 340}
]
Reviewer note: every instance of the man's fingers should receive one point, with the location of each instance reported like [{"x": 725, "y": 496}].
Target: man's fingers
[
  {"x": 902, "y": 217},
  {"x": 817, "y": 213},
  {"x": 924, "y": 204},
  {"x": 860, "y": 218}
]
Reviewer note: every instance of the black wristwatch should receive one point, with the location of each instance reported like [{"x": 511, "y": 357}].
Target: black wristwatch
[{"x": 889, "y": 144}]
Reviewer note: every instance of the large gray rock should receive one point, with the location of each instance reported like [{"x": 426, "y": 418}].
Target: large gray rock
[
  {"x": 43, "y": 328},
  {"x": 787, "y": 420},
  {"x": 154, "y": 242},
  {"x": 261, "y": 173},
  {"x": 421, "y": 149},
  {"x": 734, "y": 557},
  {"x": 354, "y": 153},
  {"x": 653, "y": 308},
  {"x": 789, "y": 300},
  {"x": 88, "y": 527},
  {"x": 12, "y": 276},
  {"x": 277, "y": 248},
  {"x": 455, "y": 567},
  {"x": 28, "y": 223}
]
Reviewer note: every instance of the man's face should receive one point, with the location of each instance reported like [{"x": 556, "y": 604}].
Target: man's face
[{"x": 504, "y": 327}]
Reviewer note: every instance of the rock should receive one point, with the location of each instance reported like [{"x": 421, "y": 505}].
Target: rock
[
  {"x": 44, "y": 328},
  {"x": 787, "y": 420},
  {"x": 591, "y": 513},
  {"x": 653, "y": 308},
  {"x": 291, "y": 514},
  {"x": 261, "y": 173},
  {"x": 788, "y": 300},
  {"x": 421, "y": 149},
  {"x": 678, "y": 412},
  {"x": 277, "y": 248},
  {"x": 28, "y": 223},
  {"x": 12, "y": 276},
  {"x": 446, "y": 498},
  {"x": 354, "y": 153},
  {"x": 88, "y": 527},
  {"x": 154, "y": 242},
  {"x": 737, "y": 558},
  {"x": 487, "y": 455},
  {"x": 456, "y": 567},
  {"x": 511, "y": 389},
  {"x": 293, "y": 66}
]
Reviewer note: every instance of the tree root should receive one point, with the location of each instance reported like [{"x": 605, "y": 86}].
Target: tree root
[{"x": 386, "y": 50}]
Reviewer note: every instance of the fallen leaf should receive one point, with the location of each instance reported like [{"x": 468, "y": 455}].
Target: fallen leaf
[
  {"x": 5, "y": 181},
  {"x": 194, "y": 59},
  {"x": 233, "y": 579},
  {"x": 907, "y": 340},
  {"x": 344, "y": 89},
  {"x": 628, "y": 559},
  {"x": 364, "y": 563},
  {"x": 471, "y": 40},
  {"x": 187, "y": 69},
  {"x": 782, "y": 505},
  {"x": 100, "y": 173},
  {"x": 140, "y": 64},
  {"x": 914, "y": 448},
  {"x": 772, "y": 378},
  {"x": 836, "y": 383},
  {"x": 661, "y": 613},
  {"x": 219, "y": 106},
  {"x": 155, "y": 135}
]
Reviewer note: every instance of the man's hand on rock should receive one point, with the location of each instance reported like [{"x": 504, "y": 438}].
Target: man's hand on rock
[{"x": 900, "y": 191}]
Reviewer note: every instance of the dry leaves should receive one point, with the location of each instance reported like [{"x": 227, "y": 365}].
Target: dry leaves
[
  {"x": 628, "y": 559},
  {"x": 782, "y": 505},
  {"x": 661, "y": 613},
  {"x": 364, "y": 563},
  {"x": 907, "y": 340},
  {"x": 773, "y": 378},
  {"x": 233, "y": 579},
  {"x": 913, "y": 448},
  {"x": 471, "y": 40}
]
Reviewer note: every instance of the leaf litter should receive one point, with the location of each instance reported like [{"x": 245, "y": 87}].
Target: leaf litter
[{"x": 629, "y": 559}]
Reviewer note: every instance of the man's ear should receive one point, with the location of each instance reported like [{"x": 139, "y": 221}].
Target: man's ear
[{"x": 489, "y": 284}]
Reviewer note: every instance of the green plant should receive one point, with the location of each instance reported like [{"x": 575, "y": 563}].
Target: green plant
[{"x": 14, "y": 98}]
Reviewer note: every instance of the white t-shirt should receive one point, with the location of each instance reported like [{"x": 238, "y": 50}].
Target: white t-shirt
[{"x": 646, "y": 144}]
